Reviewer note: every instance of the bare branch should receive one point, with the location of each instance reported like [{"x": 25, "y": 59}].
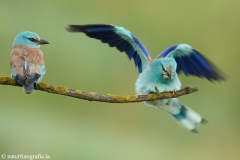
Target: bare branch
[{"x": 93, "y": 96}]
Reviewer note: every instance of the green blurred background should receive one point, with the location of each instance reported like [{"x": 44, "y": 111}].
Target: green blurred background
[{"x": 68, "y": 128}]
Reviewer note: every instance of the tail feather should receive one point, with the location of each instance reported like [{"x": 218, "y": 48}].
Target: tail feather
[
  {"x": 188, "y": 118},
  {"x": 28, "y": 88},
  {"x": 27, "y": 81}
]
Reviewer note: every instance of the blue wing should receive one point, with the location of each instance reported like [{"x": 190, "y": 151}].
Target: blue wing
[
  {"x": 191, "y": 62},
  {"x": 42, "y": 72},
  {"x": 117, "y": 37}
]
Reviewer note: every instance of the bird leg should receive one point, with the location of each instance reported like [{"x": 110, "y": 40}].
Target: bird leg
[
  {"x": 174, "y": 92},
  {"x": 157, "y": 90}
]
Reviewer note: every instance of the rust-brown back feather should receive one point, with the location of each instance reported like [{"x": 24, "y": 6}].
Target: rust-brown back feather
[{"x": 34, "y": 58}]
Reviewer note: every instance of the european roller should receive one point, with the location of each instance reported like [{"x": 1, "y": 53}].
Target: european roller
[
  {"x": 159, "y": 74},
  {"x": 27, "y": 61}
]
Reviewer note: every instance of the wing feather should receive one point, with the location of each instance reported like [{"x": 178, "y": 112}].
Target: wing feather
[
  {"x": 117, "y": 37},
  {"x": 192, "y": 62}
]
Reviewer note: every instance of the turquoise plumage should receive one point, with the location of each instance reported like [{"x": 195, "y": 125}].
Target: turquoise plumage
[
  {"x": 27, "y": 61},
  {"x": 159, "y": 74}
]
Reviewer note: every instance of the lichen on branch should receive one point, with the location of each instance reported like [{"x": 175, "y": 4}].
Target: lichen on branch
[{"x": 94, "y": 96}]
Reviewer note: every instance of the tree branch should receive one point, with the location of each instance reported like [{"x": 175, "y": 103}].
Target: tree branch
[{"x": 93, "y": 96}]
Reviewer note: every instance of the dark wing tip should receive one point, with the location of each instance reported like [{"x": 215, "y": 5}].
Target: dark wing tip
[
  {"x": 204, "y": 121},
  {"x": 75, "y": 28},
  {"x": 217, "y": 76},
  {"x": 215, "y": 73},
  {"x": 83, "y": 28},
  {"x": 194, "y": 130}
]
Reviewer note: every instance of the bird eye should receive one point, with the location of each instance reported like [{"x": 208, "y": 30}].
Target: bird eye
[
  {"x": 31, "y": 39},
  {"x": 163, "y": 69}
]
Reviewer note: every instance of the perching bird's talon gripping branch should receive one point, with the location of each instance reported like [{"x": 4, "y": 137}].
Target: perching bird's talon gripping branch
[
  {"x": 156, "y": 89},
  {"x": 93, "y": 96}
]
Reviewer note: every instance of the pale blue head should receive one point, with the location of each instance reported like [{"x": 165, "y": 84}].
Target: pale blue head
[
  {"x": 163, "y": 69},
  {"x": 29, "y": 39}
]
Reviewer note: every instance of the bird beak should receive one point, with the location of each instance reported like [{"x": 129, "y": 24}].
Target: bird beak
[
  {"x": 169, "y": 74},
  {"x": 42, "y": 41}
]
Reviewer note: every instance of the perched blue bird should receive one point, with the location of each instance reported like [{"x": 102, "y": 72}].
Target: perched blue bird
[
  {"x": 27, "y": 61},
  {"x": 160, "y": 74}
]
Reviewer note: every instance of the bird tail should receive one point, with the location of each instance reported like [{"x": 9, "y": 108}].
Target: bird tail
[
  {"x": 28, "y": 88},
  {"x": 27, "y": 81},
  {"x": 189, "y": 118}
]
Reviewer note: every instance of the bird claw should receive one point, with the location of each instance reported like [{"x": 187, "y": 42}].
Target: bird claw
[
  {"x": 157, "y": 90},
  {"x": 174, "y": 92}
]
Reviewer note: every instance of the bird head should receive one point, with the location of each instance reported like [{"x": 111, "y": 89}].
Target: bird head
[
  {"x": 29, "y": 39},
  {"x": 164, "y": 69}
]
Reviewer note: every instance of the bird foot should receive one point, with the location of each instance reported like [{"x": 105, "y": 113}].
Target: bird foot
[
  {"x": 157, "y": 90},
  {"x": 174, "y": 92}
]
